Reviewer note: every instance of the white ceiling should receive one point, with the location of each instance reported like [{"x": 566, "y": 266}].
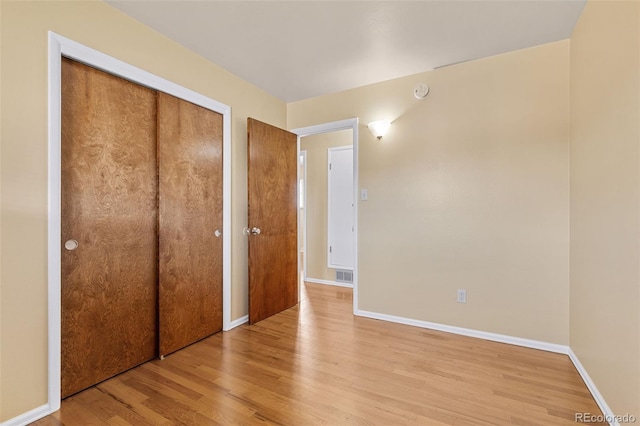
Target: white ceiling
[{"x": 300, "y": 49}]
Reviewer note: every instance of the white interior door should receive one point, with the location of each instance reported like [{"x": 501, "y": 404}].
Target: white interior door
[{"x": 341, "y": 204}]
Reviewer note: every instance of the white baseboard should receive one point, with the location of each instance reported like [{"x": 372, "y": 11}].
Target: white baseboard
[
  {"x": 502, "y": 338},
  {"x": 29, "y": 416},
  {"x": 518, "y": 341},
  {"x": 44, "y": 410},
  {"x": 237, "y": 322},
  {"x": 610, "y": 417},
  {"x": 327, "y": 282}
]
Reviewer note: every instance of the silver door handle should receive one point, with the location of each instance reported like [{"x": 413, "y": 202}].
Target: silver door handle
[
  {"x": 217, "y": 233},
  {"x": 71, "y": 245},
  {"x": 255, "y": 231}
]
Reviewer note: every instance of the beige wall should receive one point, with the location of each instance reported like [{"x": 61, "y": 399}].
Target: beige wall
[
  {"x": 469, "y": 189},
  {"x": 23, "y": 280},
  {"x": 316, "y": 208},
  {"x": 605, "y": 197}
]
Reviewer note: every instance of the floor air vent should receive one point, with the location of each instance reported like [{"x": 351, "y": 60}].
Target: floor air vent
[{"x": 344, "y": 276}]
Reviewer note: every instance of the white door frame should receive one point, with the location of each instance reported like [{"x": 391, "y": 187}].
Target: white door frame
[
  {"x": 302, "y": 240},
  {"x": 350, "y": 123},
  {"x": 58, "y": 47}
]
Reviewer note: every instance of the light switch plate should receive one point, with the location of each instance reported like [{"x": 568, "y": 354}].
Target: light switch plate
[{"x": 364, "y": 195}]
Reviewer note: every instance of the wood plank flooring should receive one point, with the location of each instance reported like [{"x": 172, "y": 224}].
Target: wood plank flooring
[{"x": 316, "y": 364}]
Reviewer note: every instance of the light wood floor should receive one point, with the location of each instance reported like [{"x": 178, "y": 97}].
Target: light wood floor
[{"x": 316, "y": 364}]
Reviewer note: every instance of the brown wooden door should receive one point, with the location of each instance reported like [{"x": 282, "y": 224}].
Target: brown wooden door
[
  {"x": 272, "y": 183},
  {"x": 190, "y": 170},
  {"x": 109, "y": 197}
]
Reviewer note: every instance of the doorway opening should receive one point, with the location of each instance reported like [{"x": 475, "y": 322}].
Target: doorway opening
[{"x": 328, "y": 218}]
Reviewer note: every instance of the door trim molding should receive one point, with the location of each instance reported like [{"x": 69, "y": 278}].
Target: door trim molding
[
  {"x": 350, "y": 123},
  {"x": 302, "y": 239},
  {"x": 61, "y": 46}
]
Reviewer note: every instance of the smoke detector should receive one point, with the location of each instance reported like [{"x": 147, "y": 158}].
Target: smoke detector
[{"x": 421, "y": 91}]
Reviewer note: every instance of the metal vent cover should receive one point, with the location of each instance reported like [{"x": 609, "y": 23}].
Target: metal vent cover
[{"x": 344, "y": 276}]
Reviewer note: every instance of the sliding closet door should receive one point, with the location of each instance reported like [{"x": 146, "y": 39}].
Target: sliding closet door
[
  {"x": 190, "y": 169},
  {"x": 109, "y": 226}
]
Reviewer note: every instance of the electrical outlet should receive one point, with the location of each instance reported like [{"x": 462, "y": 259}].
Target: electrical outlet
[{"x": 462, "y": 295}]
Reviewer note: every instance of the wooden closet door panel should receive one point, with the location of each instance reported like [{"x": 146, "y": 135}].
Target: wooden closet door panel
[
  {"x": 190, "y": 170},
  {"x": 109, "y": 205}
]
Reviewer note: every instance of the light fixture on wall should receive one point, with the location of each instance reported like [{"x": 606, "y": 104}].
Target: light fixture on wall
[{"x": 379, "y": 128}]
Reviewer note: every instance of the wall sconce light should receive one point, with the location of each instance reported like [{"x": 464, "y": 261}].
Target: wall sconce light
[{"x": 379, "y": 128}]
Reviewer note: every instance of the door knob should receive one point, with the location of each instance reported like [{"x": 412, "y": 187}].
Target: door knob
[
  {"x": 255, "y": 231},
  {"x": 217, "y": 233},
  {"x": 71, "y": 245}
]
